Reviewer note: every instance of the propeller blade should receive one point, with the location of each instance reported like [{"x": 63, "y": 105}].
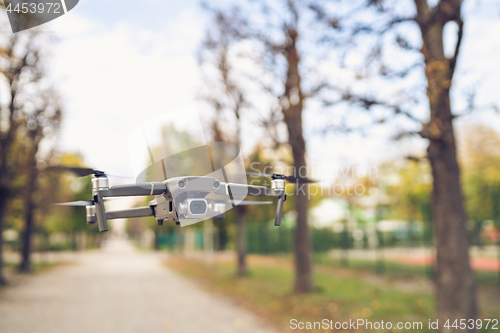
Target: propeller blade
[
  {"x": 77, "y": 171},
  {"x": 293, "y": 179},
  {"x": 76, "y": 203},
  {"x": 82, "y": 172},
  {"x": 254, "y": 174}
]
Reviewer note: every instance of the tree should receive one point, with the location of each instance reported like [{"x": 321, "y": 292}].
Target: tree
[
  {"x": 21, "y": 56},
  {"x": 277, "y": 66},
  {"x": 227, "y": 98},
  {"x": 292, "y": 114},
  {"x": 40, "y": 124},
  {"x": 392, "y": 54}
]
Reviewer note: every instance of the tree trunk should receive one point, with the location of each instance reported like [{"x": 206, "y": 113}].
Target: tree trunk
[
  {"x": 180, "y": 240},
  {"x": 29, "y": 206},
  {"x": 380, "y": 263},
  {"x": 454, "y": 283},
  {"x": 208, "y": 242},
  {"x": 344, "y": 261},
  {"x": 4, "y": 195},
  {"x": 241, "y": 240},
  {"x": 156, "y": 239},
  {"x": 25, "y": 265},
  {"x": 303, "y": 265},
  {"x": 74, "y": 246},
  {"x": 455, "y": 289},
  {"x": 292, "y": 112},
  {"x": 221, "y": 240}
]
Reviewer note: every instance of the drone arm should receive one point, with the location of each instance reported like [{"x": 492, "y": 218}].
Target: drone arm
[
  {"x": 130, "y": 213},
  {"x": 143, "y": 189},
  {"x": 261, "y": 191},
  {"x": 250, "y": 190},
  {"x": 153, "y": 188}
]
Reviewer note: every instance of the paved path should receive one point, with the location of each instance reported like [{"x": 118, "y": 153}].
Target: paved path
[{"x": 118, "y": 290}]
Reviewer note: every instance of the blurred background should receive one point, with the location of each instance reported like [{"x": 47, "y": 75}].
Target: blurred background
[{"x": 392, "y": 106}]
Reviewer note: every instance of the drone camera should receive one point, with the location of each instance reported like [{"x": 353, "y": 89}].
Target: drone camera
[
  {"x": 198, "y": 207},
  {"x": 194, "y": 208}
]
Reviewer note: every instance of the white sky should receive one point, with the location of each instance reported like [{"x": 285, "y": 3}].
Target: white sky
[{"x": 120, "y": 63}]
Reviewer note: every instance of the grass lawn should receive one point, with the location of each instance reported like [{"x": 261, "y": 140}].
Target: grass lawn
[
  {"x": 341, "y": 294},
  {"x": 37, "y": 266}
]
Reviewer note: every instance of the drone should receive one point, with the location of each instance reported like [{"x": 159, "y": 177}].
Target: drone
[{"x": 183, "y": 200}]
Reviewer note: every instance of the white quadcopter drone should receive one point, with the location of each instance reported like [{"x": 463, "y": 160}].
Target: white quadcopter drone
[{"x": 183, "y": 200}]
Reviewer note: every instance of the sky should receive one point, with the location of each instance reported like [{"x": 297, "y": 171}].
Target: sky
[{"x": 121, "y": 63}]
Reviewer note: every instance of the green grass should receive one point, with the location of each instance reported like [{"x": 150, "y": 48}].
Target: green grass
[
  {"x": 37, "y": 267},
  {"x": 341, "y": 294}
]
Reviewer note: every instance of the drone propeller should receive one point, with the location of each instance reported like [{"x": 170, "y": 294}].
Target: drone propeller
[
  {"x": 83, "y": 203},
  {"x": 77, "y": 171},
  {"x": 291, "y": 179},
  {"x": 76, "y": 203},
  {"x": 81, "y": 171}
]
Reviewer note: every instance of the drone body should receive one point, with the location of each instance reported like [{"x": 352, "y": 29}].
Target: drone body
[{"x": 183, "y": 200}]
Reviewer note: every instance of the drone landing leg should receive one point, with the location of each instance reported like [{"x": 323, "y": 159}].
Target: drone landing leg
[
  {"x": 279, "y": 210},
  {"x": 101, "y": 215}
]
